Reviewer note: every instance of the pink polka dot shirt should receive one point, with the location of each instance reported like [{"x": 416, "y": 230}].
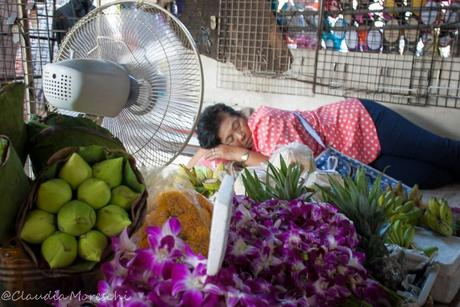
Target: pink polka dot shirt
[{"x": 345, "y": 125}]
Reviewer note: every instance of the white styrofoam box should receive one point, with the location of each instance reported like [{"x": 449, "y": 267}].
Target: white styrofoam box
[
  {"x": 415, "y": 259},
  {"x": 448, "y": 257},
  {"x": 430, "y": 279}
]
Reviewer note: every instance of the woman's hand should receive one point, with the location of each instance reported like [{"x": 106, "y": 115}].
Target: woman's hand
[
  {"x": 225, "y": 152},
  {"x": 234, "y": 153}
]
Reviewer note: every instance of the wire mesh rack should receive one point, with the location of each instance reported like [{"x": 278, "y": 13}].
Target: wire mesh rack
[
  {"x": 398, "y": 51},
  {"x": 31, "y": 32},
  {"x": 251, "y": 41}
]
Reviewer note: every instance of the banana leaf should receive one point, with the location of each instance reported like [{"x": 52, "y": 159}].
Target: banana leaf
[
  {"x": 91, "y": 154},
  {"x": 58, "y": 131},
  {"x": 14, "y": 186},
  {"x": 12, "y": 117}
]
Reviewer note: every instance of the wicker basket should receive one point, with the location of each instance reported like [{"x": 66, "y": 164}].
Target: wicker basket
[
  {"x": 29, "y": 285},
  {"x": 23, "y": 268}
]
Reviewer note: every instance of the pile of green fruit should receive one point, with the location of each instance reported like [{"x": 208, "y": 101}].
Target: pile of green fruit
[
  {"x": 438, "y": 217},
  {"x": 401, "y": 234},
  {"x": 76, "y": 212},
  {"x": 404, "y": 211},
  {"x": 205, "y": 180},
  {"x": 402, "y": 207}
]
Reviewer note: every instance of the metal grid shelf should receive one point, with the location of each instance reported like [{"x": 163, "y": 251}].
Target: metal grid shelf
[
  {"x": 403, "y": 51},
  {"x": 397, "y": 51},
  {"x": 31, "y": 32}
]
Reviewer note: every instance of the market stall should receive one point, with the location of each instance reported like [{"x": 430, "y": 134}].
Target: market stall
[{"x": 98, "y": 219}]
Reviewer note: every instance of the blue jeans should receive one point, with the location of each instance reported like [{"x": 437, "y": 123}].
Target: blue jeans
[{"x": 412, "y": 154}]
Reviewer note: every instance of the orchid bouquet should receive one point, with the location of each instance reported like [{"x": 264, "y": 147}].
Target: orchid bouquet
[{"x": 289, "y": 253}]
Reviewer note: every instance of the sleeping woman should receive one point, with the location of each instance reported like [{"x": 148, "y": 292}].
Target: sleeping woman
[{"x": 362, "y": 129}]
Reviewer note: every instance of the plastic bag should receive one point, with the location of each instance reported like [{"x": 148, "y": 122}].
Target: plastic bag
[
  {"x": 193, "y": 211},
  {"x": 321, "y": 178},
  {"x": 294, "y": 153},
  {"x": 171, "y": 177}
]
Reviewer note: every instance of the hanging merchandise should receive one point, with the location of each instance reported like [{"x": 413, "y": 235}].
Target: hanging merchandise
[
  {"x": 374, "y": 40},
  {"x": 419, "y": 47},
  {"x": 292, "y": 17},
  {"x": 334, "y": 37},
  {"x": 284, "y": 18},
  {"x": 275, "y": 4},
  {"x": 402, "y": 45},
  {"x": 390, "y": 5},
  {"x": 306, "y": 40},
  {"x": 376, "y": 14},
  {"x": 362, "y": 40},
  {"x": 391, "y": 31},
  {"x": 340, "y": 26},
  {"x": 428, "y": 43},
  {"x": 66, "y": 16},
  {"x": 445, "y": 42},
  {"x": 417, "y": 6},
  {"x": 411, "y": 33},
  {"x": 333, "y": 7},
  {"x": 177, "y": 7},
  {"x": 451, "y": 17},
  {"x": 429, "y": 13},
  {"x": 351, "y": 39},
  {"x": 391, "y": 34}
]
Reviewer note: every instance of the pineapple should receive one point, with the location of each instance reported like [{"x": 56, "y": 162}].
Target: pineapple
[
  {"x": 284, "y": 183},
  {"x": 358, "y": 202}
]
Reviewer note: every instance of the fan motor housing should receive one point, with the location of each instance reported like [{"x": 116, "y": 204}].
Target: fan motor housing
[{"x": 92, "y": 86}]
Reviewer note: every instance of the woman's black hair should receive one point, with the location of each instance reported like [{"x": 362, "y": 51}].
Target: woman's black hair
[{"x": 209, "y": 123}]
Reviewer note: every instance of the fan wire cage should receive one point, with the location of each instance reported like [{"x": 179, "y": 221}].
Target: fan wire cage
[{"x": 154, "y": 47}]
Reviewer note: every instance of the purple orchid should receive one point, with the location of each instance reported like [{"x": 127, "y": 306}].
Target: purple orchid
[
  {"x": 279, "y": 253},
  {"x": 191, "y": 284}
]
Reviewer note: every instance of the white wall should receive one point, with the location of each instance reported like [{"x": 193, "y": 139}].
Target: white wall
[{"x": 443, "y": 121}]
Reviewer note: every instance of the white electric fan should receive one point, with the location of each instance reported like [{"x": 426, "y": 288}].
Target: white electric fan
[{"x": 135, "y": 67}]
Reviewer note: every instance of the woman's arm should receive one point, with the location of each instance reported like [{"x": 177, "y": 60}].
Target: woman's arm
[
  {"x": 197, "y": 156},
  {"x": 234, "y": 153}
]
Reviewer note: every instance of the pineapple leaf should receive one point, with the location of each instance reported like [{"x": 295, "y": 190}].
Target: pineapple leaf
[
  {"x": 284, "y": 183},
  {"x": 359, "y": 203},
  {"x": 255, "y": 189}
]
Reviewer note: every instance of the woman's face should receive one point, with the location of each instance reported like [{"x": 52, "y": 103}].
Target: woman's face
[{"x": 234, "y": 131}]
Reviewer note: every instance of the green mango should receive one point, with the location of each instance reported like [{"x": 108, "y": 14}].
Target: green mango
[
  {"x": 91, "y": 245},
  {"x": 111, "y": 220},
  {"x": 76, "y": 217},
  {"x": 75, "y": 170},
  {"x": 123, "y": 196},
  {"x": 94, "y": 192},
  {"x": 60, "y": 250},
  {"x": 38, "y": 226},
  {"x": 111, "y": 171},
  {"x": 53, "y": 194}
]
